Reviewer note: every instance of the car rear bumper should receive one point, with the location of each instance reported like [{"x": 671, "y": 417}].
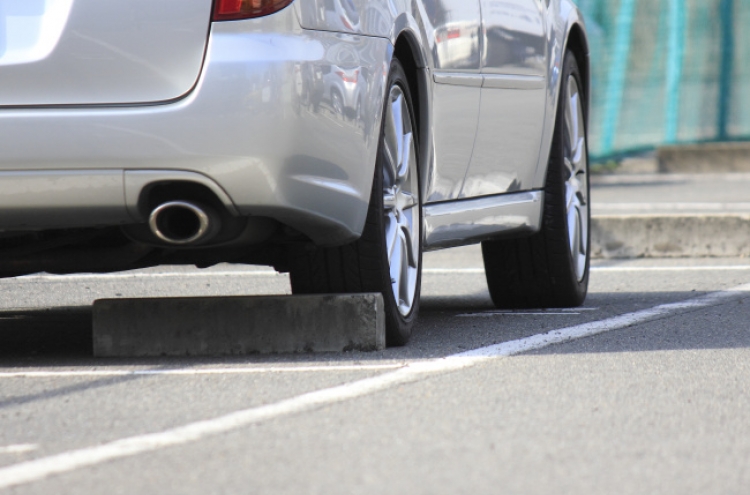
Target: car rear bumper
[{"x": 257, "y": 129}]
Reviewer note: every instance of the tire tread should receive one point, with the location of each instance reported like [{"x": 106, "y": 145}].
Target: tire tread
[{"x": 537, "y": 271}]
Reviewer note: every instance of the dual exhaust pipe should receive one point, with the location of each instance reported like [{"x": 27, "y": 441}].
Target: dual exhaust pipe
[{"x": 182, "y": 223}]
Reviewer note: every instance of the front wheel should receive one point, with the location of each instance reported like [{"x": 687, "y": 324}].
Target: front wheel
[
  {"x": 551, "y": 268},
  {"x": 388, "y": 256}
]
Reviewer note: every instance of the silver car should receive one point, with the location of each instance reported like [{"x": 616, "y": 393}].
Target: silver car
[{"x": 144, "y": 132}]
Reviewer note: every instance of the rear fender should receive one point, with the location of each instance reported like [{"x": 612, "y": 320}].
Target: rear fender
[{"x": 564, "y": 18}]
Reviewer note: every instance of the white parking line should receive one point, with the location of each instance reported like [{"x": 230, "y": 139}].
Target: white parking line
[
  {"x": 451, "y": 271},
  {"x": 197, "y": 371},
  {"x": 30, "y": 471},
  {"x": 699, "y": 268},
  {"x": 671, "y": 206},
  {"x": 272, "y": 274},
  {"x": 137, "y": 276},
  {"x": 671, "y": 178},
  {"x": 21, "y": 448},
  {"x": 528, "y": 312},
  {"x": 488, "y": 314}
]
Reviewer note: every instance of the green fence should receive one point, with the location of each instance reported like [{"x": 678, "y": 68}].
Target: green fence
[{"x": 667, "y": 72}]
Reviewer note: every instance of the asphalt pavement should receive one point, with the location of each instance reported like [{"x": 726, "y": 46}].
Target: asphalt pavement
[{"x": 643, "y": 390}]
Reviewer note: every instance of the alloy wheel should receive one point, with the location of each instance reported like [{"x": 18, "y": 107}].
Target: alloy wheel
[
  {"x": 576, "y": 185},
  {"x": 401, "y": 201}
]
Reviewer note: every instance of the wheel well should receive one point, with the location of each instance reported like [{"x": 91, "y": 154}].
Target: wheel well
[
  {"x": 405, "y": 50},
  {"x": 336, "y": 91},
  {"x": 404, "y": 53},
  {"x": 579, "y": 47}
]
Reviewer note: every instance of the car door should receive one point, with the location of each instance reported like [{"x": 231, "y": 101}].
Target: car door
[
  {"x": 453, "y": 29},
  {"x": 513, "y": 97}
]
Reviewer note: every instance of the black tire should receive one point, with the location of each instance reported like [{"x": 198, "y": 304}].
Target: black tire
[
  {"x": 337, "y": 102},
  {"x": 363, "y": 266},
  {"x": 540, "y": 271}
]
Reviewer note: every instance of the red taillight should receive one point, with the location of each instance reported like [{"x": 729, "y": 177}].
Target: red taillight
[
  {"x": 225, "y": 10},
  {"x": 348, "y": 78}
]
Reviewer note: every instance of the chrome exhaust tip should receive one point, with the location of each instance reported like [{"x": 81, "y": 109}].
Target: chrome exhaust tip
[{"x": 181, "y": 223}]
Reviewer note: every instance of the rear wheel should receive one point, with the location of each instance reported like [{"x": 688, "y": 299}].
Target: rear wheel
[
  {"x": 388, "y": 256},
  {"x": 337, "y": 103},
  {"x": 551, "y": 268}
]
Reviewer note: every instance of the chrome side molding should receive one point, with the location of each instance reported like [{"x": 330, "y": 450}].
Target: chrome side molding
[
  {"x": 502, "y": 81},
  {"x": 458, "y": 223},
  {"x": 459, "y": 79},
  {"x": 494, "y": 81}
]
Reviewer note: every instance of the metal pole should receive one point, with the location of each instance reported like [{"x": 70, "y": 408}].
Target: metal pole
[
  {"x": 617, "y": 74},
  {"x": 727, "y": 68},
  {"x": 675, "y": 60}
]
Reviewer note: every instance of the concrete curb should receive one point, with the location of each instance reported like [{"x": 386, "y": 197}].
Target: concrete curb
[
  {"x": 708, "y": 157},
  {"x": 220, "y": 326},
  {"x": 670, "y": 236}
]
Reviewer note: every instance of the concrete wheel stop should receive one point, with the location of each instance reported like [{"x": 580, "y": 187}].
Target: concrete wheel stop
[{"x": 222, "y": 326}]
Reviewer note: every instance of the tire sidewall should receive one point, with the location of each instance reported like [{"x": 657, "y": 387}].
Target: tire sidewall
[
  {"x": 556, "y": 218},
  {"x": 398, "y": 326}
]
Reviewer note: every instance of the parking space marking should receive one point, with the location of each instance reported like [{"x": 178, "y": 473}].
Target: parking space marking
[
  {"x": 699, "y": 268},
  {"x": 671, "y": 206},
  {"x": 136, "y": 276},
  {"x": 43, "y": 467},
  {"x": 529, "y": 312},
  {"x": 488, "y": 314},
  {"x": 272, "y": 273},
  {"x": 20, "y": 448},
  {"x": 198, "y": 371},
  {"x": 451, "y": 271}
]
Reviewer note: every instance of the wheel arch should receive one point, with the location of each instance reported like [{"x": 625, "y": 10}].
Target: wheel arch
[
  {"x": 573, "y": 38},
  {"x": 335, "y": 91},
  {"x": 578, "y": 45},
  {"x": 407, "y": 49}
]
